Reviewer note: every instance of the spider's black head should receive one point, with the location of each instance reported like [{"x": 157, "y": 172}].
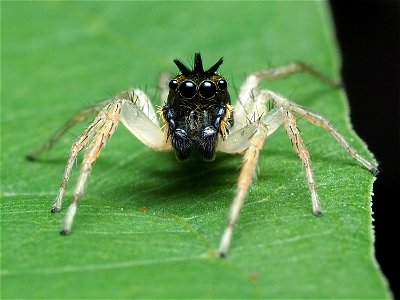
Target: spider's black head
[
  {"x": 197, "y": 84},
  {"x": 198, "y": 109}
]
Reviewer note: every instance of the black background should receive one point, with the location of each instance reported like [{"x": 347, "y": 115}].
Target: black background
[{"x": 369, "y": 38}]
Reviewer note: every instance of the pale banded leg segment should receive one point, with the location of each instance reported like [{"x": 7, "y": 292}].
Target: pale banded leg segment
[
  {"x": 302, "y": 152},
  {"x": 103, "y": 127},
  {"x": 247, "y": 172},
  {"x": 76, "y": 147},
  {"x": 248, "y": 140},
  {"x": 268, "y": 124}
]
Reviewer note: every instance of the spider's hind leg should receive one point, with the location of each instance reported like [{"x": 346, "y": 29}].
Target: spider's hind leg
[
  {"x": 80, "y": 116},
  {"x": 321, "y": 121},
  {"x": 302, "y": 151},
  {"x": 246, "y": 99}
]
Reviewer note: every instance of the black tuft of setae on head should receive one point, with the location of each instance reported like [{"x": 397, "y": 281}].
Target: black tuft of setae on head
[{"x": 198, "y": 68}]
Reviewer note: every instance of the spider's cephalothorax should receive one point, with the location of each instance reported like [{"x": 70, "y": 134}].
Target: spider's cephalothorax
[{"x": 197, "y": 110}]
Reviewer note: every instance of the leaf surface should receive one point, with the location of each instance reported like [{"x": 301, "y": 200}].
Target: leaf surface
[{"x": 148, "y": 227}]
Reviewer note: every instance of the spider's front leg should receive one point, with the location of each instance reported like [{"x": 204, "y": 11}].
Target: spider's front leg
[
  {"x": 250, "y": 159},
  {"x": 135, "y": 111},
  {"x": 249, "y": 141},
  {"x": 79, "y": 117}
]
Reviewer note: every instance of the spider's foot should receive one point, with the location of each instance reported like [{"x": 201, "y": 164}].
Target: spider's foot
[
  {"x": 318, "y": 212},
  {"x": 339, "y": 84},
  {"x": 225, "y": 241},
  {"x": 374, "y": 170},
  {"x": 65, "y": 231},
  {"x": 55, "y": 209},
  {"x": 316, "y": 206},
  {"x": 31, "y": 157}
]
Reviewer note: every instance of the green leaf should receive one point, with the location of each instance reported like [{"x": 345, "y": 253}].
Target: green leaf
[{"x": 147, "y": 226}]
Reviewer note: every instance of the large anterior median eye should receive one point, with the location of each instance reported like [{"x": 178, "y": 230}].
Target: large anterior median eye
[
  {"x": 207, "y": 89},
  {"x": 187, "y": 89}
]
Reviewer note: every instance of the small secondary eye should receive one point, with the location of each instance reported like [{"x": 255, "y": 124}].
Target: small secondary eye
[
  {"x": 222, "y": 84},
  {"x": 173, "y": 84},
  {"x": 207, "y": 89},
  {"x": 187, "y": 89}
]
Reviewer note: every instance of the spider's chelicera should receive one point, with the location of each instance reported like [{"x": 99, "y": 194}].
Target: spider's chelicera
[
  {"x": 197, "y": 114},
  {"x": 198, "y": 109}
]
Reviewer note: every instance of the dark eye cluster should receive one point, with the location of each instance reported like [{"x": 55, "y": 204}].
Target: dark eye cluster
[{"x": 206, "y": 89}]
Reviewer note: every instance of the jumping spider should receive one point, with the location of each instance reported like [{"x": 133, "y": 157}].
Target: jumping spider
[{"x": 198, "y": 115}]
